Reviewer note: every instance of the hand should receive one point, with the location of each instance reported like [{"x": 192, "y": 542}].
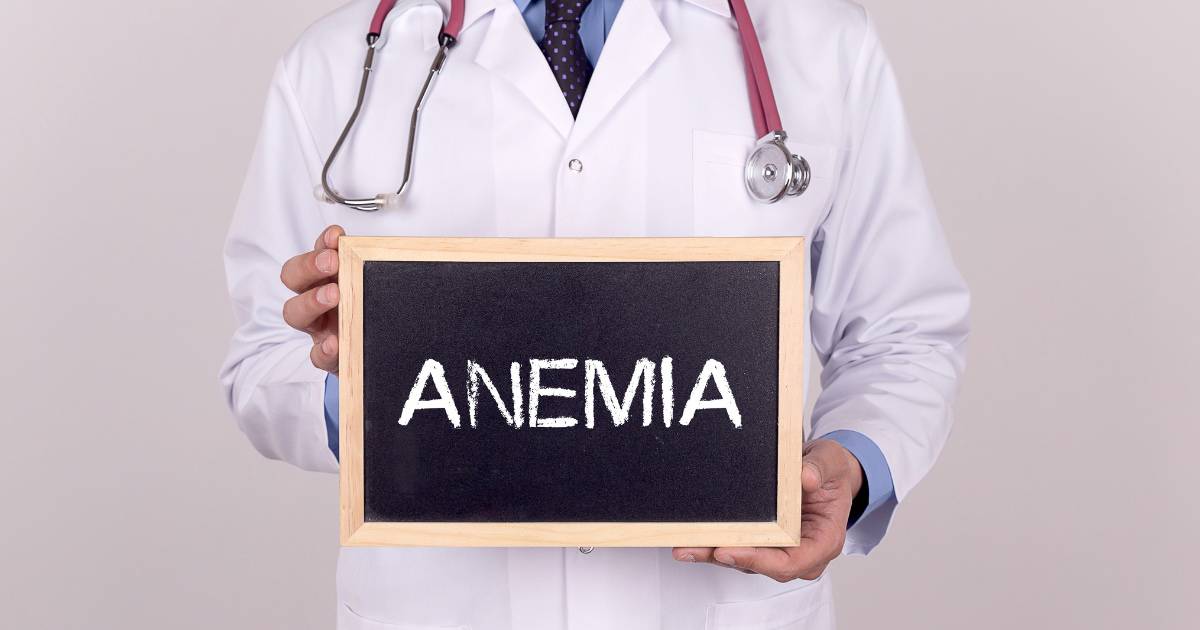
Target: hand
[
  {"x": 312, "y": 276},
  {"x": 830, "y": 479}
]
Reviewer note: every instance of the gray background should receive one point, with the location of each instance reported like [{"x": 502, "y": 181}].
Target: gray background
[{"x": 1060, "y": 140}]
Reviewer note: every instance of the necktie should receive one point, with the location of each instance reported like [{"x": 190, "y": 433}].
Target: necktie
[{"x": 563, "y": 49}]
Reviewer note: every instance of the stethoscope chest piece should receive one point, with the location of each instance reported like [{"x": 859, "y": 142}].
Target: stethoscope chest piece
[{"x": 773, "y": 172}]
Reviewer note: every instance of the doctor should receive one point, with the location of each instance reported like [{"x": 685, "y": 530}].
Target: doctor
[{"x": 642, "y": 129}]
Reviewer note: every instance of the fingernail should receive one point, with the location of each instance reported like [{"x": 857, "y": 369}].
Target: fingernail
[
  {"x": 688, "y": 558},
  {"x": 325, "y": 261},
  {"x": 726, "y": 559},
  {"x": 327, "y": 295},
  {"x": 329, "y": 346}
]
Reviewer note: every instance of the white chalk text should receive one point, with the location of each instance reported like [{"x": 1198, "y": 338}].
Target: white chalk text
[{"x": 522, "y": 405}]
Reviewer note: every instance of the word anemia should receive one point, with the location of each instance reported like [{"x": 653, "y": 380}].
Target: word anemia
[{"x": 525, "y": 401}]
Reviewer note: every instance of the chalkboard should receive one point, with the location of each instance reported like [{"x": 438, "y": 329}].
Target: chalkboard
[{"x": 554, "y": 392}]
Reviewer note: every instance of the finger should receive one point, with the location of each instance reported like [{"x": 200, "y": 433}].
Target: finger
[
  {"x": 301, "y": 311},
  {"x": 693, "y": 554},
  {"x": 818, "y": 546},
  {"x": 329, "y": 237},
  {"x": 772, "y": 562},
  {"x": 324, "y": 355},
  {"x": 303, "y": 271}
]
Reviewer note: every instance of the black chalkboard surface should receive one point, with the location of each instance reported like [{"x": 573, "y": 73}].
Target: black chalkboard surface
[{"x": 513, "y": 388}]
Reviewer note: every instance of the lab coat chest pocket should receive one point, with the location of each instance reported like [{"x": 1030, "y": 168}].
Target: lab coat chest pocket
[{"x": 722, "y": 207}]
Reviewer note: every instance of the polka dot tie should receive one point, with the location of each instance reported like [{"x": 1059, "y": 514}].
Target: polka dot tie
[{"x": 564, "y": 49}]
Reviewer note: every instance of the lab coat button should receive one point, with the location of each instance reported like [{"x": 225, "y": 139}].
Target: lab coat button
[
  {"x": 575, "y": 165},
  {"x": 586, "y": 550}
]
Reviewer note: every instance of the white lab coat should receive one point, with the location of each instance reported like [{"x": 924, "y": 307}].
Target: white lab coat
[{"x": 662, "y": 137}]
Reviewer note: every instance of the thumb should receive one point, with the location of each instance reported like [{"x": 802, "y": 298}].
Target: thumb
[{"x": 811, "y": 477}]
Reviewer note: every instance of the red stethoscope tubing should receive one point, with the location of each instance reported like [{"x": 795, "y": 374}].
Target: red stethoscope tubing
[
  {"x": 453, "y": 24},
  {"x": 762, "y": 98}
]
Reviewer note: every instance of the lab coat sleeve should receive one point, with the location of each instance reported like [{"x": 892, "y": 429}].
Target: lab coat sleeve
[
  {"x": 270, "y": 384},
  {"x": 889, "y": 308}
]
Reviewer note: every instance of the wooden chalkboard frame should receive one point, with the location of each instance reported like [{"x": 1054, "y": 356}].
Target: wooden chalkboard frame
[{"x": 783, "y": 532}]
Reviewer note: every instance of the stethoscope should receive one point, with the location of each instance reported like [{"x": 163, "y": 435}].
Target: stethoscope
[{"x": 772, "y": 171}]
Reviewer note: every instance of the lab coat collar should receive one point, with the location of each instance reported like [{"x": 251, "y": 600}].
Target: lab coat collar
[
  {"x": 475, "y": 9},
  {"x": 720, "y": 7},
  {"x": 637, "y": 39},
  {"x": 512, "y": 55}
]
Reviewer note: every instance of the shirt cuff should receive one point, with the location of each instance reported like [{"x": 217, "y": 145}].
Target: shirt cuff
[
  {"x": 331, "y": 413},
  {"x": 877, "y": 476}
]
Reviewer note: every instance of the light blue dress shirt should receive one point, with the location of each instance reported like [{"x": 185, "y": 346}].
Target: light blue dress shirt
[{"x": 594, "y": 27}]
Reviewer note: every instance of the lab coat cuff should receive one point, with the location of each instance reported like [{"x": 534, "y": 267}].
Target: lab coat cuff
[{"x": 868, "y": 532}]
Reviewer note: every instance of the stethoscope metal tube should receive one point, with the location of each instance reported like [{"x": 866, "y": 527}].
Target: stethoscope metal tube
[
  {"x": 772, "y": 171},
  {"x": 381, "y": 201}
]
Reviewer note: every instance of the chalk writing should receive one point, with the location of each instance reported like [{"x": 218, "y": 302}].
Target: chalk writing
[{"x": 646, "y": 377}]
